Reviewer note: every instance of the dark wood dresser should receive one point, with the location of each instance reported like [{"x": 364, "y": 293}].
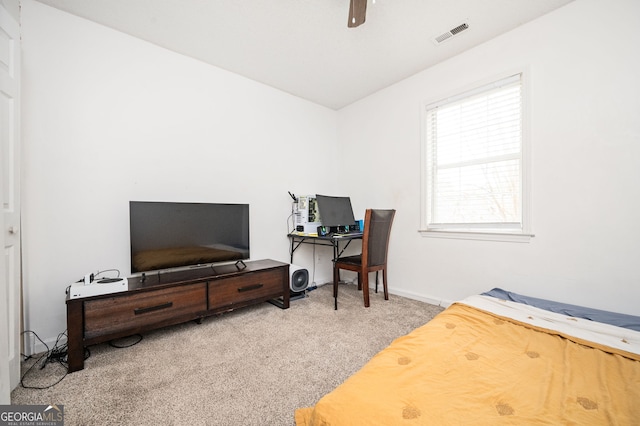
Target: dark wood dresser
[{"x": 169, "y": 298}]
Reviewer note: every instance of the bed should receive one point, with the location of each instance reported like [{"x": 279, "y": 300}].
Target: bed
[{"x": 497, "y": 358}]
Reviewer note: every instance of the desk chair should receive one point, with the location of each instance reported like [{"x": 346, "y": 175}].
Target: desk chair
[{"x": 375, "y": 245}]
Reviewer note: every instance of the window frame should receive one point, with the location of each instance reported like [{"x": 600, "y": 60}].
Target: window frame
[{"x": 522, "y": 233}]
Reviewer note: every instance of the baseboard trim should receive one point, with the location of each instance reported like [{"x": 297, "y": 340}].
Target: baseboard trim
[
  {"x": 423, "y": 298},
  {"x": 432, "y": 300}
]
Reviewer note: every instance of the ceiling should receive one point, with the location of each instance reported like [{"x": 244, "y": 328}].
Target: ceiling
[{"x": 304, "y": 47}]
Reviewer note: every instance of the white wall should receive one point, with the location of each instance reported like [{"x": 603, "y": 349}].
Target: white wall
[
  {"x": 108, "y": 118},
  {"x": 585, "y": 133},
  {"x": 13, "y": 7}
]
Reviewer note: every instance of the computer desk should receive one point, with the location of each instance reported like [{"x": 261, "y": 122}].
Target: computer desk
[{"x": 328, "y": 240}]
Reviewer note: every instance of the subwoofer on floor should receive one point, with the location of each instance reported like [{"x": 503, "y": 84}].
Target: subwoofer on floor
[
  {"x": 298, "y": 278},
  {"x": 298, "y": 283}
]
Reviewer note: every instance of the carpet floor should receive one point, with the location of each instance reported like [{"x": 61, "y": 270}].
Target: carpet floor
[{"x": 253, "y": 366}]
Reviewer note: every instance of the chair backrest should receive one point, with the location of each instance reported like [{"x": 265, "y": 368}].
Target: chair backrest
[{"x": 375, "y": 237}]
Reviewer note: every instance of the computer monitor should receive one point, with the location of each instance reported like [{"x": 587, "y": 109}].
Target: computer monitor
[{"x": 335, "y": 211}]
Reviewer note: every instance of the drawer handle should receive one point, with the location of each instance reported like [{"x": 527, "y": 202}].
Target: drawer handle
[
  {"x": 250, "y": 287},
  {"x": 139, "y": 311}
]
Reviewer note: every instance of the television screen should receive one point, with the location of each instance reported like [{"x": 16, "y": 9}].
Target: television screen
[
  {"x": 167, "y": 235},
  {"x": 335, "y": 211}
]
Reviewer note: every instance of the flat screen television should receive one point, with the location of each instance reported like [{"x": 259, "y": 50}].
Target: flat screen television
[{"x": 165, "y": 235}]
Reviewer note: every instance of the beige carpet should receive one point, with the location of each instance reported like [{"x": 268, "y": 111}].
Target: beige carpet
[{"x": 254, "y": 366}]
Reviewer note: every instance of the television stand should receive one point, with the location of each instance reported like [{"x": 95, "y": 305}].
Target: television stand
[{"x": 160, "y": 300}]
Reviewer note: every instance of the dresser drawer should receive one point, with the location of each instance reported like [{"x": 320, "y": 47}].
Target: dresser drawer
[
  {"x": 251, "y": 286},
  {"x": 128, "y": 312}
]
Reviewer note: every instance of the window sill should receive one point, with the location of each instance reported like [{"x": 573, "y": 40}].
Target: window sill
[{"x": 478, "y": 235}]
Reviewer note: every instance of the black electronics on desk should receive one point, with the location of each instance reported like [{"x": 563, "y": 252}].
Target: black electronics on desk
[{"x": 336, "y": 215}]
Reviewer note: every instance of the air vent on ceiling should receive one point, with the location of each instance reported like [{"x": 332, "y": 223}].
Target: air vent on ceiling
[{"x": 446, "y": 36}]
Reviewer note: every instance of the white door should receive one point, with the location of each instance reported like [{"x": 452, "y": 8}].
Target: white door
[{"x": 10, "y": 269}]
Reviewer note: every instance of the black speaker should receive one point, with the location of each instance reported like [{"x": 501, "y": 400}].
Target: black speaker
[
  {"x": 298, "y": 283},
  {"x": 323, "y": 231},
  {"x": 298, "y": 278}
]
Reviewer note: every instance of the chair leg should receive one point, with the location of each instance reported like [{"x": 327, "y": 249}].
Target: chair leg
[
  {"x": 359, "y": 281},
  {"x": 384, "y": 284},
  {"x": 365, "y": 288},
  {"x": 336, "y": 279},
  {"x": 376, "y": 282}
]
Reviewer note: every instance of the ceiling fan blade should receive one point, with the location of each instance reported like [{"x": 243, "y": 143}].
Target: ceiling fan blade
[{"x": 357, "y": 13}]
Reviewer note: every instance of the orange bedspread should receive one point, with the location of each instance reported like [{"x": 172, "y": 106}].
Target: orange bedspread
[{"x": 470, "y": 367}]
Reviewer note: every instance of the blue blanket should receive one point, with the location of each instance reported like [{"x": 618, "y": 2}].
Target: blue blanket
[{"x": 620, "y": 320}]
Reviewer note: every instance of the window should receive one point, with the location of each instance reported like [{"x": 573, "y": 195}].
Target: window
[{"x": 474, "y": 167}]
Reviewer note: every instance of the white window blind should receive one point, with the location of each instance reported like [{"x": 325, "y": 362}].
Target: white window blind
[{"x": 474, "y": 160}]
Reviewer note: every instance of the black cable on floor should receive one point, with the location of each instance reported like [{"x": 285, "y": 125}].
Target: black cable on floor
[
  {"x": 127, "y": 345},
  {"x": 57, "y": 354}
]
